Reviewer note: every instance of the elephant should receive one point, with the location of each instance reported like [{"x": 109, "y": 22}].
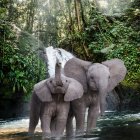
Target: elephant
[
  {"x": 50, "y": 102},
  {"x": 97, "y": 79}
]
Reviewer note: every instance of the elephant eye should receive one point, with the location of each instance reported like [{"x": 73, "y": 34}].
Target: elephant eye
[
  {"x": 66, "y": 80},
  {"x": 51, "y": 81}
]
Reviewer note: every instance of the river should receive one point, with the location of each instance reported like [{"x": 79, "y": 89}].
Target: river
[{"x": 112, "y": 126}]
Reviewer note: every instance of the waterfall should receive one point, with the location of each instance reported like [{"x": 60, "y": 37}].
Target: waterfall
[{"x": 62, "y": 55}]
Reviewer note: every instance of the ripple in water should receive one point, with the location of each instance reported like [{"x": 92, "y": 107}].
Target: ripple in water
[{"x": 113, "y": 126}]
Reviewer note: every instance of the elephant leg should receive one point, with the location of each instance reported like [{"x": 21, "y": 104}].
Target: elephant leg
[
  {"x": 93, "y": 113},
  {"x": 69, "y": 126},
  {"x": 53, "y": 127},
  {"x": 34, "y": 113},
  {"x": 80, "y": 120},
  {"x": 45, "y": 126},
  {"x": 60, "y": 126},
  {"x": 79, "y": 110},
  {"x": 61, "y": 118}
]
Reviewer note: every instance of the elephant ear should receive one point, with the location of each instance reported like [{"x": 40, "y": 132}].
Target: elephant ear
[
  {"x": 117, "y": 72},
  {"x": 76, "y": 68},
  {"x": 75, "y": 90},
  {"x": 42, "y": 91}
]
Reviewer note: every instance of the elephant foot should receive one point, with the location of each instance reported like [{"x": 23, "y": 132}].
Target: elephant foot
[
  {"x": 58, "y": 138},
  {"x": 70, "y": 135},
  {"x": 89, "y": 132},
  {"x": 46, "y": 135},
  {"x": 30, "y": 134},
  {"x": 79, "y": 133}
]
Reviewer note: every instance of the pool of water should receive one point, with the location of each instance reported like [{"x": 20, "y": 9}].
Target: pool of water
[{"x": 112, "y": 126}]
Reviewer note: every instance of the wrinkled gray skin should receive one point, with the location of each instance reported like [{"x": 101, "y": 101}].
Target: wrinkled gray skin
[
  {"x": 51, "y": 101},
  {"x": 97, "y": 79}
]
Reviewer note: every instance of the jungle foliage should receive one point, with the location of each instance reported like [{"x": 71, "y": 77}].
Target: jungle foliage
[
  {"x": 113, "y": 37},
  {"x": 20, "y": 65},
  {"x": 79, "y": 26}
]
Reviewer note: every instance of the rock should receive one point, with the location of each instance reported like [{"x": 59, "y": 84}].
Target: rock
[{"x": 113, "y": 101}]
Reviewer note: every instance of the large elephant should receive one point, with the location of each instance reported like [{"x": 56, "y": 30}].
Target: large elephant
[
  {"x": 97, "y": 79},
  {"x": 51, "y": 101}
]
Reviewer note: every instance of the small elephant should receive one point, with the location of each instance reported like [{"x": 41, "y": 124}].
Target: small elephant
[
  {"x": 97, "y": 79},
  {"x": 51, "y": 101}
]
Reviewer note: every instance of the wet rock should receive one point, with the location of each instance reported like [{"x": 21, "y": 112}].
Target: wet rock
[{"x": 113, "y": 100}]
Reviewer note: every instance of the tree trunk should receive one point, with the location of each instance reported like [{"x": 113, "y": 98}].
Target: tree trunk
[
  {"x": 30, "y": 16},
  {"x": 10, "y": 10},
  {"x": 77, "y": 13},
  {"x": 82, "y": 16},
  {"x": 70, "y": 25}
]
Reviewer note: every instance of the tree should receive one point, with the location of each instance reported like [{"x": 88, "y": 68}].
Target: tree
[{"x": 30, "y": 15}]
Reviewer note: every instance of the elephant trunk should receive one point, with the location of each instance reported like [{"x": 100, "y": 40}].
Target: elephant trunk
[
  {"x": 102, "y": 101},
  {"x": 58, "y": 73}
]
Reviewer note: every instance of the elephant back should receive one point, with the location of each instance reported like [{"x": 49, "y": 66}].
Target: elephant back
[{"x": 77, "y": 69}]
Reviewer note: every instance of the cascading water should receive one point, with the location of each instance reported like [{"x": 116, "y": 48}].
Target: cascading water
[
  {"x": 61, "y": 54},
  {"x": 112, "y": 126}
]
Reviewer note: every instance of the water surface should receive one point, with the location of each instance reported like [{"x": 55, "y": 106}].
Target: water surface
[{"x": 113, "y": 126}]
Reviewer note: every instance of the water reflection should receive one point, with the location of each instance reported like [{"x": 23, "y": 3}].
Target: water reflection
[{"x": 113, "y": 126}]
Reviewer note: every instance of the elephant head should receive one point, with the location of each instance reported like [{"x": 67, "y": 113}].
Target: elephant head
[
  {"x": 61, "y": 85},
  {"x": 97, "y": 78}
]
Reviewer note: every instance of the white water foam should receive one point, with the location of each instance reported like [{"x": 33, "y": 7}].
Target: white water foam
[
  {"x": 19, "y": 125},
  {"x": 52, "y": 54}
]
